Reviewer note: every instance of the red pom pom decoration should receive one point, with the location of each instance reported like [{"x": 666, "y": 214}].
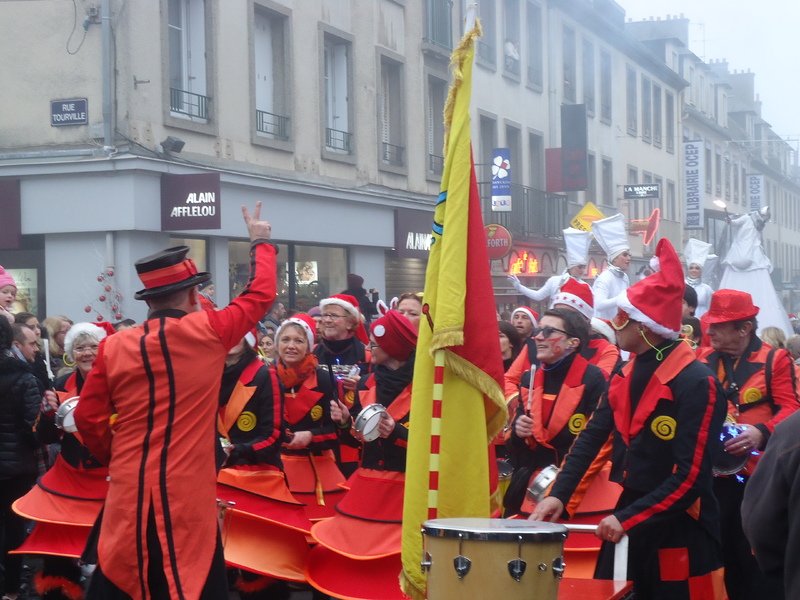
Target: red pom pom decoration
[
  {"x": 118, "y": 316},
  {"x": 102, "y": 298},
  {"x": 88, "y": 309},
  {"x": 110, "y": 273},
  {"x": 108, "y": 288},
  {"x": 99, "y": 317},
  {"x": 99, "y": 278}
]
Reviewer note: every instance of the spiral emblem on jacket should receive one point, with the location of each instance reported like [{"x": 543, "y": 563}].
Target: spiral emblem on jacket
[
  {"x": 316, "y": 413},
  {"x": 576, "y": 423},
  {"x": 664, "y": 427},
  {"x": 246, "y": 421}
]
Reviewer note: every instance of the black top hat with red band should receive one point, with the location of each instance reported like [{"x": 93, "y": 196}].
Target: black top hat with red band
[{"x": 167, "y": 272}]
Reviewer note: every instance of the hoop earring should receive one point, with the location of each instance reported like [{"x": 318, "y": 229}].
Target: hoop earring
[{"x": 66, "y": 361}]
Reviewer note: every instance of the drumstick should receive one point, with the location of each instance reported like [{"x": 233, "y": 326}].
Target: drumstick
[{"x": 530, "y": 390}]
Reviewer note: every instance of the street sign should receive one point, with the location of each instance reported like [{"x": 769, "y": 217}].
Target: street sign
[
  {"x": 69, "y": 112},
  {"x": 586, "y": 216}
]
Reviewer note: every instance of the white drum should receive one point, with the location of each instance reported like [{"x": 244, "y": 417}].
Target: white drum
[
  {"x": 475, "y": 559},
  {"x": 367, "y": 421},
  {"x": 65, "y": 415}
]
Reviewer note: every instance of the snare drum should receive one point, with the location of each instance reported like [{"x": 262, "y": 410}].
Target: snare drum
[
  {"x": 729, "y": 464},
  {"x": 475, "y": 559},
  {"x": 65, "y": 415},
  {"x": 367, "y": 421}
]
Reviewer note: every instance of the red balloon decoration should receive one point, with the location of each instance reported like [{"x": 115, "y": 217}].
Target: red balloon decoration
[
  {"x": 102, "y": 298},
  {"x": 99, "y": 317},
  {"x": 88, "y": 309}
]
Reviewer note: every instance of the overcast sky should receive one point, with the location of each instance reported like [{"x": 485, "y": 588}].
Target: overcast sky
[{"x": 763, "y": 37}]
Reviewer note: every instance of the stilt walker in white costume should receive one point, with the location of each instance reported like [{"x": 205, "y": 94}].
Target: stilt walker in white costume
[
  {"x": 577, "y": 243},
  {"x": 610, "y": 234},
  {"x": 747, "y": 269},
  {"x": 695, "y": 254}
]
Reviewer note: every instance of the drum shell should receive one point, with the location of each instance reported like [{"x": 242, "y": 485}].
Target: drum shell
[
  {"x": 489, "y": 575},
  {"x": 65, "y": 418},
  {"x": 729, "y": 464},
  {"x": 366, "y": 423}
]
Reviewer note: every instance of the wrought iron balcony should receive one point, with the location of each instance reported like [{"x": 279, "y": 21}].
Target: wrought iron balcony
[
  {"x": 189, "y": 103},
  {"x": 274, "y": 125},
  {"x": 393, "y": 155},
  {"x": 436, "y": 164},
  {"x": 338, "y": 140},
  {"x": 533, "y": 212}
]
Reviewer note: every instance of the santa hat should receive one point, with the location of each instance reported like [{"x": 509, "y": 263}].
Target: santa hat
[
  {"x": 577, "y": 295},
  {"x": 656, "y": 301},
  {"x": 349, "y": 304},
  {"x": 306, "y": 322},
  {"x": 6, "y": 279},
  {"x": 532, "y": 314},
  {"x": 251, "y": 337},
  {"x": 610, "y": 234},
  {"x": 577, "y": 243},
  {"x": 696, "y": 252},
  {"x": 395, "y": 335},
  {"x": 94, "y": 330},
  {"x": 604, "y": 328}
]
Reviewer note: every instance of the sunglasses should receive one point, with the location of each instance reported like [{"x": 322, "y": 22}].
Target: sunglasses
[
  {"x": 620, "y": 320},
  {"x": 546, "y": 332}
]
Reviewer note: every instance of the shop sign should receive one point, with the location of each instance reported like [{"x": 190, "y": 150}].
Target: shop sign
[
  {"x": 523, "y": 263},
  {"x": 69, "y": 112},
  {"x": 412, "y": 233},
  {"x": 190, "y": 202},
  {"x": 498, "y": 241},
  {"x": 501, "y": 180},
  {"x": 586, "y": 216},
  {"x": 755, "y": 192},
  {"x": 693, "y": 184},
  {"x": 641, "y": 190}
]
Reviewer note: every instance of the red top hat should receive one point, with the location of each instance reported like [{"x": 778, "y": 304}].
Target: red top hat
[
  {"x": 730, "y": 305},
  {"x": 167, "y": 272}
]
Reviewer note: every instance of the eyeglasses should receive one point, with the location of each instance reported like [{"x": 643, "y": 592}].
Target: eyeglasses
[
  {"x": 85, "y": 349},
  {"x": 546, "y": 332},
  {"x": 331, "y": 316}
]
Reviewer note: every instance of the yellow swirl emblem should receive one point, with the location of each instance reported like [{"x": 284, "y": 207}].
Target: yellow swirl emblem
[
  {"x": 751, "y": 395},
  {"x": 349, "y": 398},
  {"x": 316, "y": 413},
  {"x": 577, "y": 423},
  {"x": 246, "y": 421},
  {"x": 664, "y": 427}
]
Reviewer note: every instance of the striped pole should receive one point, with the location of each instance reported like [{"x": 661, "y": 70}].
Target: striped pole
[{"x": 436, "y": 432}]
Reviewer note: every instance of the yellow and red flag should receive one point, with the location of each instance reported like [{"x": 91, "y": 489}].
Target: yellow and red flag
[{"x": 457, "y": 403}]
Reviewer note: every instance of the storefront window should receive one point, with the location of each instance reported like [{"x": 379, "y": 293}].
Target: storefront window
[{"x": 198, "y": 251}]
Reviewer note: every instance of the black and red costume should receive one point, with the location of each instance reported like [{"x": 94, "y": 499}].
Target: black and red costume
[
  {"x": 760, "y": 386},
  {"x": 665, "y": 417}
]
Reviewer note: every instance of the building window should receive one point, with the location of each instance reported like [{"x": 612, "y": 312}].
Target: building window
[
  {"x": 535, "y": 53},
  {"x": 591, "y": 190},
  {"x": 630, "y": 99},
  {"x": 605, "y": 86},
  {"x": 608, "y": 183},
  {"x": 536, "y": 161},
  {"x": 569, "y": 64},
  {"x": 488, "y": 128},
  {"x": 437, "y": 93},
  {"x": 633, "y": 206},
  {"x": 718, "y": 171},
  {"x": 588, "y": 76},
  {"x": 338, "y": 136},
  {"x": 439, "y": 23},
  {"x": 188, "y": 95},
  {"x": 669, "y": 111},
  {"x": 657, "y": 115},
  {"x": 511, "y": 62},
  {"x": 709, "y": 168},
  {"x": 390, "y": 114},
  {"x": 272, "y": 118},
  {"x": 727, "y": 176},
  {"x": 672, "y": 207},
  {"x": 735, "y": 182},
  {"x": 487, "y": 45},
  {"x": 647, "y": 110}
]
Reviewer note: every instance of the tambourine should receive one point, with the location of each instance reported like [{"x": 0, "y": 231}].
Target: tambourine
[
  {"x": 541, "y": 483},
  {"x": 367, "y": 421},
  {"x": 726, "y": 463},
  {"x": 65, "y": 415}
]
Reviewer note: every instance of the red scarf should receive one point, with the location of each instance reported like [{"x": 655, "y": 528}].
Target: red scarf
[{"x": 294, "y": 376}]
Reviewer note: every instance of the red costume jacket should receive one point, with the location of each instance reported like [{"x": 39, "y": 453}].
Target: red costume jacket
[{"x": 157, "y": 385}]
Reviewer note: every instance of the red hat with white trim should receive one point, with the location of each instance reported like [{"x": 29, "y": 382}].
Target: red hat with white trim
[
  {"x": 349, "y": 304},
  {"x": 532, "y": 314},
  {"x": 576, "y": 294},
  {"x": 395, "y": 335},
  {"x": 307, "y": 323},
  {"x": 656, "y": 300}
]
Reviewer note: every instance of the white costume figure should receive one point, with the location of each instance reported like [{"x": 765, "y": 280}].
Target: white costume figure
[
  {"x": 610, "y": 234},
  {"x": 747, "y": 269},
  {"x": 577, "y": 243},
  {"x": 696, "y": 254}
]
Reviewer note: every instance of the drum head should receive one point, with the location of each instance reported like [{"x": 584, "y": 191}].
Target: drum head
[
  {"x": 65, "y": 415},
  {"x": 367, "y": 422},
  {"x": 495, "y": 530},
  {"x": 726, "y": 463}
]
